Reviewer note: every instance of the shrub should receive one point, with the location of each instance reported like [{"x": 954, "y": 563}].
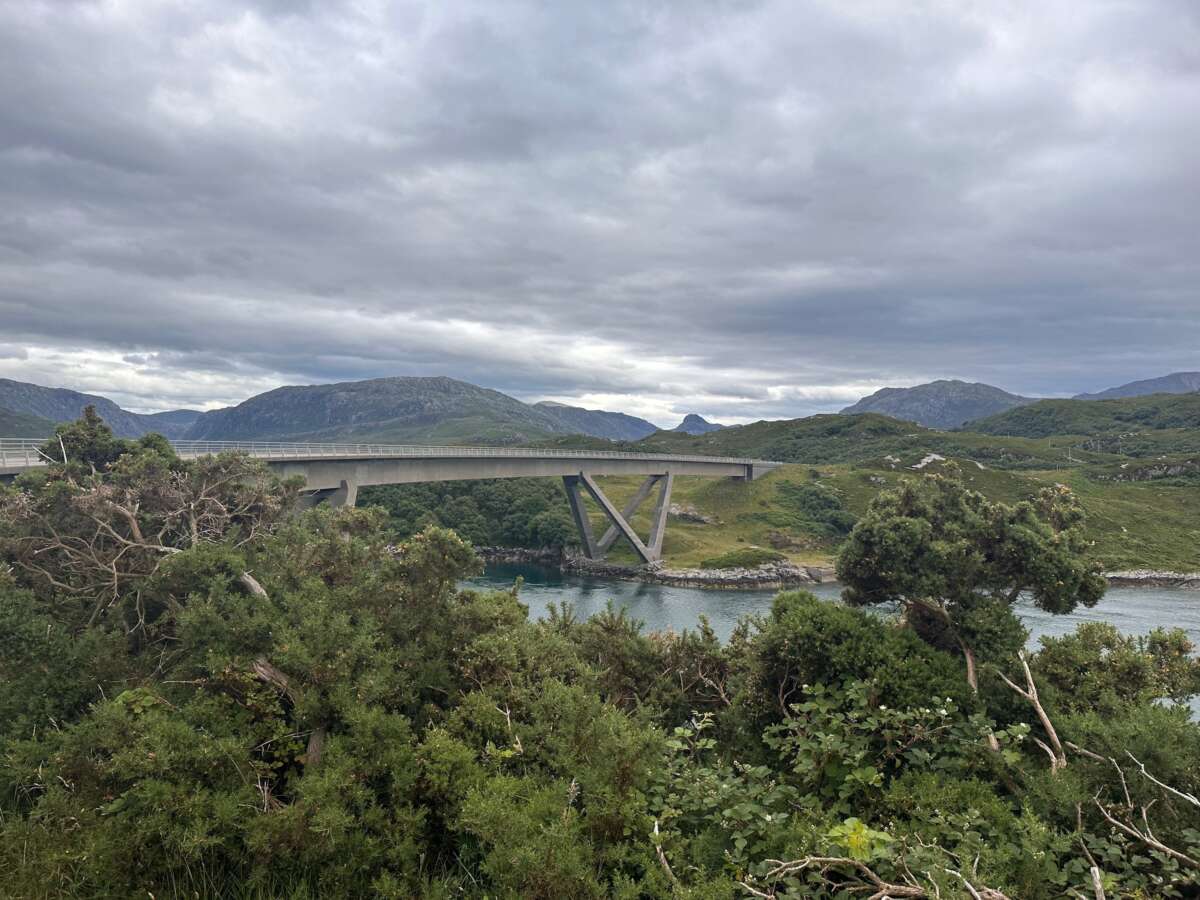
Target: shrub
[{"x": 743, "y": 558}]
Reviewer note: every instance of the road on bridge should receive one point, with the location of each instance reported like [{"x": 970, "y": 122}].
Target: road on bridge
[{"x": 333, "y": 473}]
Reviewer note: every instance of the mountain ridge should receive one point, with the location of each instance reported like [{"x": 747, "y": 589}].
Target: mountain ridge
[
  {"x": 1174, "y": 383},
  {"x": 56, "y": 405},
  {"x": 943, "y": 404},
  {"x": 616, "y": 426},
  {"x": 695, "y": 424}
]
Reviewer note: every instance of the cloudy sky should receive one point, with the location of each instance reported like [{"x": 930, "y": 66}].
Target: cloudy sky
[{"x": 744, "y": 209}]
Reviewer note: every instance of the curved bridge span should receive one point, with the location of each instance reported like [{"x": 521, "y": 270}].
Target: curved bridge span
[{"x": 333, "y": 473}]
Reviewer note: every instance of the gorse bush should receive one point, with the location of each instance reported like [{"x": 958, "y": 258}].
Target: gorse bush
[
  {"x": 208, "y": 694},
  {"x": 742, "y": 558}
]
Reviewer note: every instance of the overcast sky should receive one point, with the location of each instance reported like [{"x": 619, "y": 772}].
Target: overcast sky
[{"x": 743, "y": 209}]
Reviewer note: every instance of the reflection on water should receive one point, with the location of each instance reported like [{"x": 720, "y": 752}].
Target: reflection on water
[{"x": 1132, "y": 610}]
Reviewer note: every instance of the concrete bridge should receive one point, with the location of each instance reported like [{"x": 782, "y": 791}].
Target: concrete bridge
[{"x": 334, "y": 472}]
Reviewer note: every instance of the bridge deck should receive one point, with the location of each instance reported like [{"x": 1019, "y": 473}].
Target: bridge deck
[{"x": 325, "y": 465}]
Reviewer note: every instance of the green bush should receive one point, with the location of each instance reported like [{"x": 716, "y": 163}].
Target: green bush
[
  {"x": 742, "y": 558},
  {"x": 209, "y": 694}
]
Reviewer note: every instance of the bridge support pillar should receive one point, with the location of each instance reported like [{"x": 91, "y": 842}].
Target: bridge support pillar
[
  {"x": 345, "y": 494},
  {"x": 620, "y": 527},
  {"x": 579, "y": 513}
]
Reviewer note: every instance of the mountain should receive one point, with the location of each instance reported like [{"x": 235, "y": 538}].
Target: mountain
[
  {"x": 23, "y": 425},
  {"x": 62, "y": 405},
  {"x": 597, "y": 422},
  {"x": 1155, "y": 412},
  {"x": 938, "y": 404},
  {"x": 694, "y": 424},
  {"x": 1175, "y": 383},
  {"x": 173, "y": 423},
  {"x": 426, "y": 410}
]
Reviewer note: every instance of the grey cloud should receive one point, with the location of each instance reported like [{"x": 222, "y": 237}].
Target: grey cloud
[{"x": 742, "y": 204}]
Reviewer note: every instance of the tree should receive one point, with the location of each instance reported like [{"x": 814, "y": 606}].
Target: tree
[
  {"x": 88, "y": 535},
  {"x": 84, "y": 445},
  {"x": 956, "y": 562}
]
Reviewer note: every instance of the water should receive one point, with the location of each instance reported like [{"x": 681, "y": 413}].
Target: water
[{"x": 1134, "y": 610}]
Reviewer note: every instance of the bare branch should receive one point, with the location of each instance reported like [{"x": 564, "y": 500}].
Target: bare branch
[
  {"x": 1190, "y": 798},
  {"x": 1058, "y": 757}
]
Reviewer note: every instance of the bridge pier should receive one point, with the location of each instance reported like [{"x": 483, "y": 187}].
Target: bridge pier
[
  {"x": 345, "y": 494},
  {"x": 650, "y": 551}
]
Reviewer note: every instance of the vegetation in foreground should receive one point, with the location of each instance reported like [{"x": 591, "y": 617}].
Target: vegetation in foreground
[{"x": 208, "y": 695}]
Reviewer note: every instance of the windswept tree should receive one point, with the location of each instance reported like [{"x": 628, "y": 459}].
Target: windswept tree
[
  {"x": 956, "y": 562},
  {"x": 89, "y": 532}
]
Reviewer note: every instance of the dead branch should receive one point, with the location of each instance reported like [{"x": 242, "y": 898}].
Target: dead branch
[
  {"x": 316, "y": 745},
  {"x": 980, "y": 893},
  {"x": 251, "y": 584},
  {"x": 662, "y": 857},
  {"x": 1058, "y": 757},
  {"x": 264, "y": 670},
  {"x": 1145, "y": 835},
  {"x": 1190, "y": 798},
  {"x": 863, "y": 879}
]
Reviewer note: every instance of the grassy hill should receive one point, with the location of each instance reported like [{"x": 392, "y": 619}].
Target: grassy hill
[
  {"x": 1155, "y": 412},
  {"x": 938, "y": 404},
  {"x": 847, "y": 439},
  {"x": 421, "y": 410},
  {"x": 1138, "y": 485},
  {"x": 24, "y": 425},
  {"x": 1132, "y": 525}
]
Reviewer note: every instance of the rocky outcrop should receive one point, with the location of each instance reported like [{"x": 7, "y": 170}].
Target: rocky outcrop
[
  {"x": 685, "y": 512},
  {"x": 771, "y": 575},
  {"x": 1154, "y": 578},
  {"x": 531, "y": 556},
  {"x": 693, "y": 424}
]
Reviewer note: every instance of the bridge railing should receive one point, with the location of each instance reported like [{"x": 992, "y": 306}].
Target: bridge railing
[{"x": 23, "y": 453}]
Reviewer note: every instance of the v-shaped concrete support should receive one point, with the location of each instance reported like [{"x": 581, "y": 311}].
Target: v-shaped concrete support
[
  {"x": 579, "y": 513},
  {"x": 620, "y": 520}
]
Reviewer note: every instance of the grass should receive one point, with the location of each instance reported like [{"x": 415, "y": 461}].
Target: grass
[
  {"x": 1093, "y": 417},
  {"x": 742, "y": 558},
  {"x": 1084, "y": 444},
  {"x": 1132, "y": 525}
]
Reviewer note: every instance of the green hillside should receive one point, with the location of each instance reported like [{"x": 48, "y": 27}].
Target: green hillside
[
  {"x": 23, "y": 425},
  {"x": 1133, "y": 525},
  {"x": 1155, "y": 412},
  {"x": 846, "y": 439},
  {"x": 1135, "y": 469},
  {"x": 415, "y": 410}
]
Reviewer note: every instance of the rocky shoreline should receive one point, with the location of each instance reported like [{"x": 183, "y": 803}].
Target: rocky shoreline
[
  {"x": 1189, "y": 581},
  {"x": 769, "y": 576}
]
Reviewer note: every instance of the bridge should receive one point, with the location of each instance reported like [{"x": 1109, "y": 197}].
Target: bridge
[{"x": 333, "y": 473}]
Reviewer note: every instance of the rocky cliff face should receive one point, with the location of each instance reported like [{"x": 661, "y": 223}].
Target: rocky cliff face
[{"x": 939, "y": 404}]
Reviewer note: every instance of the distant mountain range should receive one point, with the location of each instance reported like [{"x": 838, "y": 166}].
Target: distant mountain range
[
  {"x": 62, "y": 405},
  {"x": 939, "y": 404},
  {"x": 597, "y": 422},
  {"x": 694, "y": 424},
  {"x": 952, "y": 404},
  {"x": 419, "y": 410},
  {"x": 1175, "y": 383},
  {"x": 23, "y": 425},
  {"x": 445, "y": 410}
]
